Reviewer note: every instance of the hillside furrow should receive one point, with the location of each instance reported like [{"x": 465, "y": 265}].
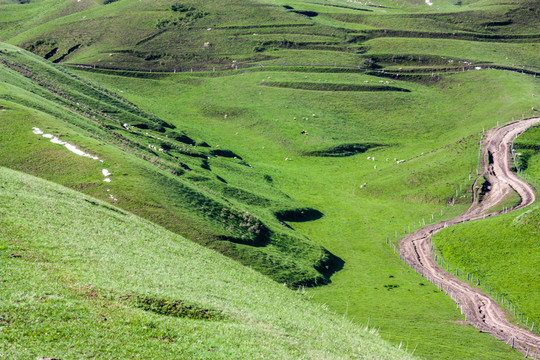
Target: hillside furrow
[{"x": 479, "y": 309}]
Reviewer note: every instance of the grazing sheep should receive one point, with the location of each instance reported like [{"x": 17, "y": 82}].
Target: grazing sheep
[{"x": 369, "y": 157}]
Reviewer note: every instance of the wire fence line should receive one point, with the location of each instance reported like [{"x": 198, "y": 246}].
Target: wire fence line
[
  {"x": 235, "y": 66},
  {"x": 473, "y": 280}
]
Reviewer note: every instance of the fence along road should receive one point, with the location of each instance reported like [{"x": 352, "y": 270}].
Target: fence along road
[{"x": 480, "y": 310}]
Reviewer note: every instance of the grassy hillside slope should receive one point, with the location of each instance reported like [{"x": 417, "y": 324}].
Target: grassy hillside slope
[
  {"x": 83, "y": 279},
  {"x": 224, "y": 34},
  {"x": 207, "y": 193},
  {"x": 374, "y": 285},
  {"x": 316, "y": 85}
]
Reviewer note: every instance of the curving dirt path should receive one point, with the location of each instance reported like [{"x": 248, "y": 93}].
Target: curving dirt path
[{"x": 480, "y": 310}]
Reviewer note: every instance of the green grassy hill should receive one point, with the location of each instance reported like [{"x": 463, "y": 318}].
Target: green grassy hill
[
  {"x": 83, "y": 279},
  {"x": 207, "y": 193},
  {"x": 325, "y": 126},
  {"x": 194, "y": 34}
]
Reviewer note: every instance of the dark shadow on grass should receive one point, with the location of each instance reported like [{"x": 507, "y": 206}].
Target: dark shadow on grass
[
  {"x": 307, "y": 13},
  {"x": 260, "y": 241},
  {"x": 344, "y": 150},
  {"x": 174, "y": 308},
  {"x": 299, "y": 215},
  {"x": 331, "y": 265}
]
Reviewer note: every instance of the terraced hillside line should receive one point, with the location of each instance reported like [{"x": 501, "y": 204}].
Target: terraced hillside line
[{"x": 480, "y": 310}]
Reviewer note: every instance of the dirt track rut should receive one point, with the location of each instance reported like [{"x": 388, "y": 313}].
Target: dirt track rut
[{"x": 480, "y": 310}]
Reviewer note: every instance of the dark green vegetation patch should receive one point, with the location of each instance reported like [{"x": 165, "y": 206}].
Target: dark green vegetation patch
[
  {"x": 174, "y": 308},
  {"x": 332, "y": 87}
]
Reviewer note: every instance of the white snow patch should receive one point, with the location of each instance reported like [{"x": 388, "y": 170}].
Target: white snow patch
[
  {"x": 68, "y": 146},
  {"x": 56, "y": 140},
  {"x": 77, "y": 151}
]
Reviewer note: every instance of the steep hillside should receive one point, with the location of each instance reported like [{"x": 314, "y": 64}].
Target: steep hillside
[
  {"x": 84, "y": 279},
  {"x": 205, "y": 192}
]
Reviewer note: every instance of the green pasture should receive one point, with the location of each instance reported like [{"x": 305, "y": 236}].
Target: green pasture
[
  {"x": 296, "y": 138},
  {"x": 440, "y": 153},
  {"x": 112, "y": 285},
  {"x": 206, "y": 193}
]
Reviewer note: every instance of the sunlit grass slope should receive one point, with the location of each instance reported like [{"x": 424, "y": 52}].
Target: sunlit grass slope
[
  {"x": 82, "y": 279},
  {"x": 290, "y": 104}
]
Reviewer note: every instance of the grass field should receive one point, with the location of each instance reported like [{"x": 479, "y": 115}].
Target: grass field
[
  {"x": 356, "y": 219},
  {"x": 112, "y": 285},
  {"x": 333, "y": 125},
  {"x": 207, "y": 193}
]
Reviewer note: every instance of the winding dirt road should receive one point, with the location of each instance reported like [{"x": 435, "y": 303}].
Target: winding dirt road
[{"x": 480, "y": 310}]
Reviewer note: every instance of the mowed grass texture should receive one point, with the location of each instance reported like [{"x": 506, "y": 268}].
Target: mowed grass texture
[{"x": 82, "y": 279}]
